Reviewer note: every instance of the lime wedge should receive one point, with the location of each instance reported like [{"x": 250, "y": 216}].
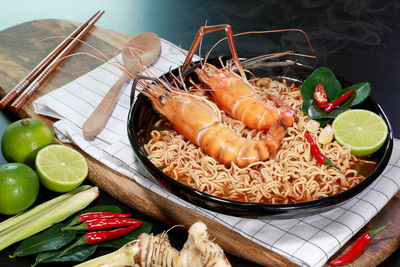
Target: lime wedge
[
  {"x": 61, "y": 168},
  {"x": 361, "y": 130}
]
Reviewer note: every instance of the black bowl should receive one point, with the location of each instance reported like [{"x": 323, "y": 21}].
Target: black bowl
[{"x": 142, "y": 117}]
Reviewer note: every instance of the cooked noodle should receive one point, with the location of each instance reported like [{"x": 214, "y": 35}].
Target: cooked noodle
[{"x": 291, "y": 175}]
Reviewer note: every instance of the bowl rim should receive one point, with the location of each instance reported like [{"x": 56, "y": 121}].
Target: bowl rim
[{"x": 260, "y": 207}]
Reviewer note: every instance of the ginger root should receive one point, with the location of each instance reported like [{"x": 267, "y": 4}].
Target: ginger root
[{"x": 149, "y": 250}]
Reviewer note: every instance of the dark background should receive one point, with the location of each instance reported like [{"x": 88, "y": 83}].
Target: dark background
[{"x": 358, "y": 40}]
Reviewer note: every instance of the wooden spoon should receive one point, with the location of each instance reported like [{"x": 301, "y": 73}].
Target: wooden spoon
[{"x": 143, "y": 49}]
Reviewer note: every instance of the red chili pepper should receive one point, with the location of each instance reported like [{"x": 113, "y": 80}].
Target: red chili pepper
[
  {"x": 357, "y": 247},
  {"x": 96, "y": 215},
  {"x": 338, "y": 101},
  {"x": 100, "y": 236},
  {"x": 319, "y": 156},
  {"x": 99, "y": 224},
  {"x": 320, "y": 96}
]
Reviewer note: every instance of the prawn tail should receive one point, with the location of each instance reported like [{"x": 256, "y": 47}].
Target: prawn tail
[
  {"x": 262, "y": 150},
  {"x": 275, "y": 135}
]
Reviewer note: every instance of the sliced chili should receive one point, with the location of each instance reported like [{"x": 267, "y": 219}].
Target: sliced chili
[
  {"x": 320, "y": 96},
  {"x": 357, "y": 247},
  {"x": 96, "y": 215},
  {"x": 330, "y": 106},
  {"x": 319, "y": 156},
  {"x": 100, "y": 236},
  {"x": 99, "y": 224}
]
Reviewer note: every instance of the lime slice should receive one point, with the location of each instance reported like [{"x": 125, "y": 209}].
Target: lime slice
[
  {"x": 361, "y": 130},
  {"x": 61, "y": 168}
]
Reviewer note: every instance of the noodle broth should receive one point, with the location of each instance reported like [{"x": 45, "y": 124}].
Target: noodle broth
[
  {"x": 318, "y": 188},
  {"x": 291, "y": 175}
]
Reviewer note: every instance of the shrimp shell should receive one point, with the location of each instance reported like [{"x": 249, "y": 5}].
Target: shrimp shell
[
  {"x": 238, "y": 99},
  {"x": 197, "y": 121}
]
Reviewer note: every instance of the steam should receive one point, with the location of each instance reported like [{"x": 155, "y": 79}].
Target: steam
[{"x": 343, "y": 26}]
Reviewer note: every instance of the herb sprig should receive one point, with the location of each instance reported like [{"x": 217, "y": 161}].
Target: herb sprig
[{"x": 333, "y": 90}]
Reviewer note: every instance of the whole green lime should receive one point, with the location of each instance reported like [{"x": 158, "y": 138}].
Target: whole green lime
[
  {"x": 23, "y": 139},
  {"x": 19, "y": 188}
]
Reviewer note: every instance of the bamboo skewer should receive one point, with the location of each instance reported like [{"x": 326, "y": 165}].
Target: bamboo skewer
[{"x": 23, "y": 90}]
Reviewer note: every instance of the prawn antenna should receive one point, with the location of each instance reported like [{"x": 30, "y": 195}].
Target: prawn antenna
[
  {"x": 261, "y": 32},
  {"x": 282, "y": 30}
]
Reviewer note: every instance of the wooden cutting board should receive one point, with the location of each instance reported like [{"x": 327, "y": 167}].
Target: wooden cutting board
[{"x": 25, "y": 45}]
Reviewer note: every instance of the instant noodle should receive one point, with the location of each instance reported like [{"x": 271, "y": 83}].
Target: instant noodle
[{"x": 291, "y": 175}]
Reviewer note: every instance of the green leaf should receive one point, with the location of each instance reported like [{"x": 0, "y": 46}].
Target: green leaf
[
  {"x": 324, "y": 76},
  {"x": 51, "y": 239},
  {"x": 361, "y": 92},
  {"x": 333, "y": 90},
  {"x": 323, "y": 122},
  {"x": 77, "y": 254},
  {"x": 315, "y": 113},
  {"x": 306, "y": 105},
  {"x": 331, "y": 115},
  {"x": 117, "y": 243},
  {"x": 346, "y": 104}
]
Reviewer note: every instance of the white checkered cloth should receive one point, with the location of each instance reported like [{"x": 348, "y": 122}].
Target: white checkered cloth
[{"x": 308, "y": 241}]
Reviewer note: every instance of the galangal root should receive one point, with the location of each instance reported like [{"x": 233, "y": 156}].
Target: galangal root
[{"x": 156, "y": 251}]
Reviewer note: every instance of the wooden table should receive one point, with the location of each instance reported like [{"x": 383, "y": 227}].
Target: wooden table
[{"x": 23, "y": 46}]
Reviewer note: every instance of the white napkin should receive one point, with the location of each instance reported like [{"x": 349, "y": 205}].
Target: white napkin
[{"x": 308, "y": 241}]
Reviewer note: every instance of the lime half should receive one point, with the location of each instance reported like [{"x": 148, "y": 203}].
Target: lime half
[
  {"x": 361, "y": 130},
  {"x": 61, "y": 168}
]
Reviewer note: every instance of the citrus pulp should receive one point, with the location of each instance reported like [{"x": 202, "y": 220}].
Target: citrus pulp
[
  {"x": 361, "y": 130},
  {"x": 61, "y": 168}
]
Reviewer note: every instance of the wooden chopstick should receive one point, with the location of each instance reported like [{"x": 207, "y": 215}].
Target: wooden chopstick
[
  {"x": 43, "y": 70},
  {"x": 41, "y": 66}
]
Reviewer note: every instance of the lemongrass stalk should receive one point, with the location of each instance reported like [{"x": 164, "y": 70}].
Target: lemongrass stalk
[
  {"x": 58, "y": 213},
  {"x": 34, "y": 217},
  {"x": 22, "y": 217},
  {"x": 122, "y": 257}
]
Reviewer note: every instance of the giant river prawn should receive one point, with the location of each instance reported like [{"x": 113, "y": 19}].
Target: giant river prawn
[{"x": 233, "y": 94}]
